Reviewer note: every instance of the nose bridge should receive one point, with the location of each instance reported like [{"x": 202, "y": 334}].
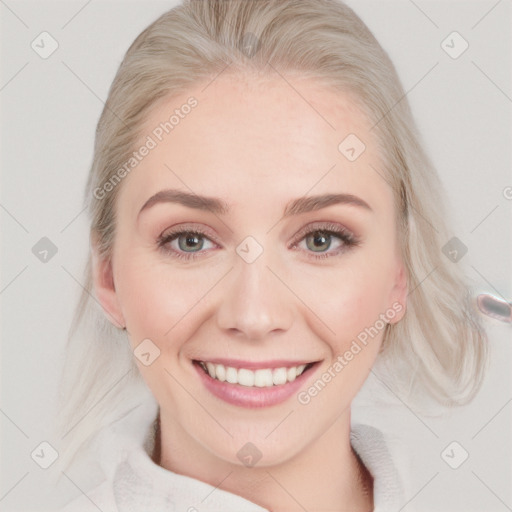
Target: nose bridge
[{"x": 254, "y": 301}]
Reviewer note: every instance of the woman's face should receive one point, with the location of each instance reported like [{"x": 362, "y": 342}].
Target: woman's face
[{"x": 284, "y": 293}]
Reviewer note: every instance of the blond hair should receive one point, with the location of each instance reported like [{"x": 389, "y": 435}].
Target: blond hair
[{"x": 439, "y": 345}]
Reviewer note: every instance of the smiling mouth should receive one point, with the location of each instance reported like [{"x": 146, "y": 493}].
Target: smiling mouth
[{"x": 261, "y": 378}]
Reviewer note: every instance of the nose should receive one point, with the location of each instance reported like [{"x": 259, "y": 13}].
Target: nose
[{"x": 256, "y": 302}]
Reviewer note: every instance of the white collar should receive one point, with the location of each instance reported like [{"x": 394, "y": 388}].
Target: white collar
[{"x": 140, "y": 484}]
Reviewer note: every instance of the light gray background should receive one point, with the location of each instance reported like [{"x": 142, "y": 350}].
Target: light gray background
[{"x": 49, "y": 109}]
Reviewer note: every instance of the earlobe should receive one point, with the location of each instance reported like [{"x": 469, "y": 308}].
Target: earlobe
[{"x": 104, "y": 287}]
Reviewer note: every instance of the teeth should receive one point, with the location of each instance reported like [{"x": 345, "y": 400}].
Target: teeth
[
  {"x": 220, "y": 373},
  {"x": 211, "y": 369},
  {"x": 246, "y": 377},
  {"x": 262, "y": 378},
  {"x": 231, "y": 375},
  {"x": 279, "y": 376}
]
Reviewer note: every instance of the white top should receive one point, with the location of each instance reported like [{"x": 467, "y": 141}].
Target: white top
[{"x": 134, "y": 483}]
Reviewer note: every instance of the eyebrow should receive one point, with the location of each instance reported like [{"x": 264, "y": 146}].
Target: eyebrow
[{"x": 217, "y": 206}]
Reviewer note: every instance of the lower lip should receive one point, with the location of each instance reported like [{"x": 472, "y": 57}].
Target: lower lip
[{"x": 252, "y": 397}]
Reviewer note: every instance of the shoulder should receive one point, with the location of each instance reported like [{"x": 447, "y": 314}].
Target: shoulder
[{"x": 99, "y": 498}]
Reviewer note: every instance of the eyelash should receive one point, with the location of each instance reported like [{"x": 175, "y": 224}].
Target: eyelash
[{"x": 328, "y": 229}]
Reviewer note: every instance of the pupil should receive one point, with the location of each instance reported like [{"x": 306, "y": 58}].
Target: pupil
[
  {"x": 190, "y": 240},
  {"x": 321, "y": 240}
]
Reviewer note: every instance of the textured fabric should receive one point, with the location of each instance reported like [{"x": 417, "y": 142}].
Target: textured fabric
[{"x": 134, "y": 483}]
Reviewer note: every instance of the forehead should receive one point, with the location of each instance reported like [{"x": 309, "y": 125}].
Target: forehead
[{"x": 257, "y": 138}]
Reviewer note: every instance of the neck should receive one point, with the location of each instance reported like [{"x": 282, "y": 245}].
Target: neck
[{"x": 327, "y": 475}]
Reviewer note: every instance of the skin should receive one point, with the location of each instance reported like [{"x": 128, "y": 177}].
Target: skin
[{"x": 257, "y": 145}]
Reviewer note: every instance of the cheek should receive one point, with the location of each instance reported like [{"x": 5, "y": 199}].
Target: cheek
[
  {"x": 154, "y": 298},
  {"x": 158, "y": 304},
  {"x": 362, "y": 300},
  {"x": 350, "y": 299},
  {"x": 354, "y": 310}
]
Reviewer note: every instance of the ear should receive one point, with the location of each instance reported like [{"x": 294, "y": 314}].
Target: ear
[
  {"x": 398, "y": 295},
  {"x": 104, "y": 287}
]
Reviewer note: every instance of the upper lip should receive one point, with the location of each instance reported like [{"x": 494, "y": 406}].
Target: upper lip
[{"x": 255, "y": 365}]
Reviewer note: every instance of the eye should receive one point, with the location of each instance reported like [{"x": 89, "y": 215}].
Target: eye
[
  {"x": 188, "y": 244},
  {"x": 183, "y": 243},
  {"x": 318, "y": 239}
]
